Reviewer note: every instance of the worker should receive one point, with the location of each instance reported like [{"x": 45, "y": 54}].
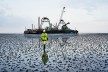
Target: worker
[{"x": 44, "y": 38}]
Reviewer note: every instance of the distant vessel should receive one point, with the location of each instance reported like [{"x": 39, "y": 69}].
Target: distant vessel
[{"x": 51, "y": 29}]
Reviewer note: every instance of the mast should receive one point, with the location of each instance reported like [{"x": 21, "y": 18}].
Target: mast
[
  {"x": 25, "y": 29},
  {"x": 32, "y": 26},
  {"x": 39, "y": 27}
]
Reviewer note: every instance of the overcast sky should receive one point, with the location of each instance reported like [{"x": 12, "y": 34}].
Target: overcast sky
[{"x": 87, "y": 16}]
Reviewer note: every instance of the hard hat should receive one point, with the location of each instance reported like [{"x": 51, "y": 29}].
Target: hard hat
[{"x": 44, "y": 30}]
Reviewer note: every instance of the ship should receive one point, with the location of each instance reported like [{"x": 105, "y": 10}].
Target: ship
[{"x": 52, "y": 29}]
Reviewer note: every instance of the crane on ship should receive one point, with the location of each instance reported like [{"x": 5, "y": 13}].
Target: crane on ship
[
  {"x": 61, "y": 21},
  {"x": 56, "y": 26}
]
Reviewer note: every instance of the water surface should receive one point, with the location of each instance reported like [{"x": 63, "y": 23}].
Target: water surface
[{"x": 66, "y": 53}]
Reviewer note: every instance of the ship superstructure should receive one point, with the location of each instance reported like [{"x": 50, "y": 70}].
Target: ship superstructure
[{"x": 51, "y": 29}]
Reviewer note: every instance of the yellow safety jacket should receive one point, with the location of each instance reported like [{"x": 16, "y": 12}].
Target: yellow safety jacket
[{"x": 44, "y": 37}]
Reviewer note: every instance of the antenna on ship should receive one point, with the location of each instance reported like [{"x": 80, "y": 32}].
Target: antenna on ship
[
  {"x": 32, "y": 26},
  {"x": 61, "y": 16},
  {"x": 39, "y": 26},
  {"x": 25, "y": 28}
]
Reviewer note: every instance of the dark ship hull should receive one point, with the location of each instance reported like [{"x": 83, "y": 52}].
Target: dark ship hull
[{"x": 51, "y": 32}]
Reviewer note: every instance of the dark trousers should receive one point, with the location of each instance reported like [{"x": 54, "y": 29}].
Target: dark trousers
[{"x": 44, "y": 47}]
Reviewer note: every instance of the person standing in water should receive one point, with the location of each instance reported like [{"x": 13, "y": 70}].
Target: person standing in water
[{"x": 44, "y": 38}]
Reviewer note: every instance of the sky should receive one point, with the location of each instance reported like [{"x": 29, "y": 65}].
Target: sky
[{"x": 86, "y": 16}]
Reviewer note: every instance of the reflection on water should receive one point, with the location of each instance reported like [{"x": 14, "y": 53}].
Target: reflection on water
[
  {"x": 82, "y": 53},
  {"x": 44, "y": 56}
]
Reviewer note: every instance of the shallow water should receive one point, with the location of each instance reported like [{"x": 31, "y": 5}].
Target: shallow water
[{"x": 66, "y": 53}]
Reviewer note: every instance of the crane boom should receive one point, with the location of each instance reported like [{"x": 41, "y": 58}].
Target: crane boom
[{"x": 61, "y": 16}]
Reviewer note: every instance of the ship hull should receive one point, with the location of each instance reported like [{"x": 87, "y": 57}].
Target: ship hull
[{"x": 52, "y": 32}]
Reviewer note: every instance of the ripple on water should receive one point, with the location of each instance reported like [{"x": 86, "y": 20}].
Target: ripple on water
[{"x": 82, "y": 53}]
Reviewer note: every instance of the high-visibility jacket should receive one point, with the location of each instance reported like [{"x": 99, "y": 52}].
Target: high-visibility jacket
[{"x": 44, "y": 37}]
